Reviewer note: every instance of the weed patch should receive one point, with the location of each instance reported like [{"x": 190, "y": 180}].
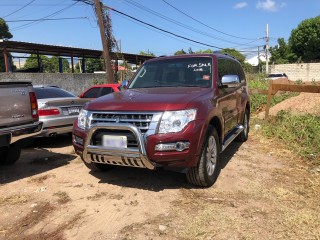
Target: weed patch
[{"x": 301, "y": 134}]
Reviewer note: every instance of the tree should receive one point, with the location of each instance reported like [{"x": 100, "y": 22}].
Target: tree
[
  {"x": 93, "y": 65},
  {"x": 234, "y": 53},
  {"x": 282, "y": 54},
  {"x": 305, "y": 40},
  {"x": 147, "y": 53},
  {"x": 4, "y": 30},
  {"x": 180, "y": 52},
  {"x": 204, "y": 51},
  {"x": 4, "y": 34},
  {"x": 48, "y": 65},
  {"x": 32, "y": 62}
]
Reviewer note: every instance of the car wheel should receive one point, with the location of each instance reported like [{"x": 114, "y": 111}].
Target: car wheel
[
  {"x": 243, "y": 136},
  {"x": 97, "y": 167},
  {"x": 208, "y": 168},
  {"x": 9, "y": 155}
]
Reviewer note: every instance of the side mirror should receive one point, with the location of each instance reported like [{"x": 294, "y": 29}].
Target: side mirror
[
  {"x": 124, "y": 84},
  {"x": 230, "y": 81}
]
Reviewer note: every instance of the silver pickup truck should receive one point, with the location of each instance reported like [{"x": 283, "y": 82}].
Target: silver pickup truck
[{"x": 19, "y": 118}]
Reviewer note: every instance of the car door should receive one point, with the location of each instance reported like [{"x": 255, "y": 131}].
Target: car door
[{"x": 227, "y": 99}]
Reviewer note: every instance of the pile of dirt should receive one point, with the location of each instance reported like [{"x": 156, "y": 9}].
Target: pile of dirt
[{"x": 304, "y": 103}]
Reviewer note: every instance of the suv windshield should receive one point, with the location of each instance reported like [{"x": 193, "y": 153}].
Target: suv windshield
[{"x": 179, "y": 72}]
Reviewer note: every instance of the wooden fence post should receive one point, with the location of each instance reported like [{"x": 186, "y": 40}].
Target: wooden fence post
[{"x": 268, "y": 100}]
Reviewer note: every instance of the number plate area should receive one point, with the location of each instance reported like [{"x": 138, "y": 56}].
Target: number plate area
[
  {"x": 73, "y": 110},
  {"x": 114, "y": 141}
]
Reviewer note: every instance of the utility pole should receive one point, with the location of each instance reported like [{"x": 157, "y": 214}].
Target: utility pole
[
  {"x": 104, "y": 39},
  {"x": 267, "y": 50},
  {"x": 259, "y": 59}
]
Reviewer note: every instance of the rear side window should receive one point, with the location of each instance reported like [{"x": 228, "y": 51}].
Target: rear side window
[
  {"x": 52, "y": 92},
  {"x": 229, "y": 67},
  {"x": 105, "y": 91},
  {"x": 92, "y": 93}
]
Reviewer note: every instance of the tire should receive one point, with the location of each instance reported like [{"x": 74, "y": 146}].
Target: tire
[
  {"x": 9, "y": 155},
  {"x": 243, "y": 136},
  {"x": 97, "y": 167},
  {"x": 208, "y": 168}
]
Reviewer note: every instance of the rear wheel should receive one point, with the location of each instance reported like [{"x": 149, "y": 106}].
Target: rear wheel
[
  {"x": 9, "y": 155},
  {"x": 208, "y": 169}
]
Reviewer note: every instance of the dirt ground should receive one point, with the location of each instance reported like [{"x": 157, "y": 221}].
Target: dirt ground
[{"x": 263, "y": 192}]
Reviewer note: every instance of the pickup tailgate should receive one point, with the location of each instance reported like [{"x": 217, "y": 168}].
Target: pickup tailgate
[{"x": 15, "y": 106}]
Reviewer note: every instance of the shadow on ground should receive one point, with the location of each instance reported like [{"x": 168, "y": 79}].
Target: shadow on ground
[
  {"x": 35, "y": 159},
  {"x": 156, "y": 180}
]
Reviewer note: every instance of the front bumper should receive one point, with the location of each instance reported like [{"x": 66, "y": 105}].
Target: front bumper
[
  {"x": 115, "y": 156},
  {"x": 144, "y": 155}
]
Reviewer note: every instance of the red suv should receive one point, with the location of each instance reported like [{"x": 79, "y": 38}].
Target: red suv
[
  {"x": 100, "y": 90},
  {"x": 178, "y": 112}
]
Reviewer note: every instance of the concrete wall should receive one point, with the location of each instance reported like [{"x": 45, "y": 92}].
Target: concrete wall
[
  {"x": 75, "y": 83},
  {"x": 299, "y": 71}
]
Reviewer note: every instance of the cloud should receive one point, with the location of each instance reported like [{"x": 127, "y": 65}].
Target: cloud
[
  {"x": 240, "y": 5},
  {"x": 270, "y": 5}
]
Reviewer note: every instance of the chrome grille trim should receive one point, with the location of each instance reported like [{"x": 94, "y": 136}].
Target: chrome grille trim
[{"x": 146, "y": 122}]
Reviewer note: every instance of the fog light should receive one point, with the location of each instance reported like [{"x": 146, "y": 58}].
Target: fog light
[
  {"x": 78, "y": 140},
  {"x": 177, "y": 146}
]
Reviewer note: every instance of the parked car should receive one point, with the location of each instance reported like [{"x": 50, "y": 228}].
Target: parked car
[
  {"x": 275, "y": 76},
  {"x": 58, "y": 109},
  {"x": 100, "y": 90},
  {"x": 178, "y": 112},
  {"x": 19, "y": 119}
]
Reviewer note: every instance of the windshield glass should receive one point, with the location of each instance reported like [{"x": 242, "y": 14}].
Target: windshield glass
[{"x": 179, "y": 72}]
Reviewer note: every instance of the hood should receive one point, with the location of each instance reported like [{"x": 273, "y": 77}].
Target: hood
[{"x": 148, "y": 99}]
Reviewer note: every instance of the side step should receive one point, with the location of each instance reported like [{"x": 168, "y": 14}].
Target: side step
[{"x": 231, "y": 136}]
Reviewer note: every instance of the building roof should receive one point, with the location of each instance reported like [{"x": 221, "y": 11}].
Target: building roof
[{"x": 63, "y": 51}]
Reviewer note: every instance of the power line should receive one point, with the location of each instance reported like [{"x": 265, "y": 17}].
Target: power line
[
  {"x": 204, "y": 23},
  {"x": 178, "y": 23},
  {"x": 43, "y": 19},
  {"x": 19, "y": 9},
  {"x": 47, "y": 19},
  {"x": 160, "y": 29}
]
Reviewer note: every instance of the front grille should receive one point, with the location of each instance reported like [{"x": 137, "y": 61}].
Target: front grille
[{"x": 140, "y": 120}]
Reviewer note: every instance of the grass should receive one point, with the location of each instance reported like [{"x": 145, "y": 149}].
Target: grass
[{"x": 300, "y": 133}]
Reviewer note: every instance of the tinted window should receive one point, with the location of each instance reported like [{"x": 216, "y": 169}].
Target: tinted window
[
  {"x": 178, "y": 72},
  {"x": 229, "y": 67},
  {"x": 105, "y": 91},
  {"x": 51, "y": 92},
  {"x": 92, "y": 93}
]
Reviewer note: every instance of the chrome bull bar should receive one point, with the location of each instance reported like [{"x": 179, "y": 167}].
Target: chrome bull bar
[{"x": 133, "y": 157}]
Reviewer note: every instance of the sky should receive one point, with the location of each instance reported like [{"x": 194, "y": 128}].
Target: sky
[{"x": 172, "y": 24}]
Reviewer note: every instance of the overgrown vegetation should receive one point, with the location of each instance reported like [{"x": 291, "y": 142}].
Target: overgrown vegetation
[
  {"x": 301, "y": 133},
  {"x": 259, "y": 101}
]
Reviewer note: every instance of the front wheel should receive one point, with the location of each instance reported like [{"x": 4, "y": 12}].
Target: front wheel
[
  {"x": 208, "y": 168},
  {"x": 97, "y": 167}
]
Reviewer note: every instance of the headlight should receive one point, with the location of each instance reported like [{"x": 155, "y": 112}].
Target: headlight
[
  {"x": 83, "y": 119},
  {"x": 175, "y": 121}
]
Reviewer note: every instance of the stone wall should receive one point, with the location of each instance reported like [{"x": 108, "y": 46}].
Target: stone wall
[
  {"x": 75, "y": 83},
  {"x": 299, "y": 71}
]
